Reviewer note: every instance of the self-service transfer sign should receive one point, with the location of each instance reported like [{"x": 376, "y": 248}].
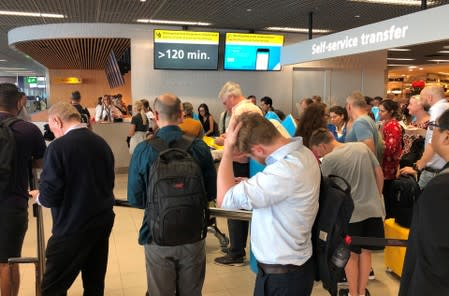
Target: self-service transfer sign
[{"x": 189, "y": 50}]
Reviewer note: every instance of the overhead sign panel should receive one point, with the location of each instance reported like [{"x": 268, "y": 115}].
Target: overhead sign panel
[
  {"x": 253, "y": 52},
  {"x": 186, "y": 50},
  {"x": 415, "y": 28}
]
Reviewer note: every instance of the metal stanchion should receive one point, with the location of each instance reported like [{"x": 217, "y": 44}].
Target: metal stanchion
[{"x": 39, "y": 261}]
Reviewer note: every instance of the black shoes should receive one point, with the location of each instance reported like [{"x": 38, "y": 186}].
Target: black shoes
[{"x": 229, "y": 261}]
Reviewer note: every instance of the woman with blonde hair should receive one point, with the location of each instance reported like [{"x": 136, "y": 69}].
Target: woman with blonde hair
[{"x": 138, "y": 127}]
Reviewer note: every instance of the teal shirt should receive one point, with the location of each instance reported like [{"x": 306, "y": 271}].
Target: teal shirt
[{"x": 139, "y": 169}]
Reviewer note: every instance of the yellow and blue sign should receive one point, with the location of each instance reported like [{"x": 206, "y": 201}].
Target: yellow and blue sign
[{"x": 253, "y": 52}]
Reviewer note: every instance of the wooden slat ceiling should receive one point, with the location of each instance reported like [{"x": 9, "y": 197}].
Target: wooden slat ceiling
[{"x": 74, "y": 53}]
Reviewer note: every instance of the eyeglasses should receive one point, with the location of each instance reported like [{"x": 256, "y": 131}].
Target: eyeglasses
[{"x": 433, "y": 125}]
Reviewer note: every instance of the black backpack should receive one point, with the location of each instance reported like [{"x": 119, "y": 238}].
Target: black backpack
[
  {"x": 177, "y": 207},
  {"x": 330, "y": 230},
  {"x": 405, "y": 192},
  {"x": 7, "y": 152}
]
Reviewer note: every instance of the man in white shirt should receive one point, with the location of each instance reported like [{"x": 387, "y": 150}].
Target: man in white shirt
[
  {"x": 430, "y": 163},
  {"x": 284, "y": 200},
  {"x": 235, "y": 103}
]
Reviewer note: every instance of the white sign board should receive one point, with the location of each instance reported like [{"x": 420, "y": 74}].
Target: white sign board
[{"x": 420, "y": 27}]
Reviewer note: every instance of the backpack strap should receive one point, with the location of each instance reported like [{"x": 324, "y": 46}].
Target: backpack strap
[
  {"x": 183, "y": 143},
  {"x": 445, "y": 171},
  {"x": 158, "y": 144},
  {"x": 10, "y": 121}
]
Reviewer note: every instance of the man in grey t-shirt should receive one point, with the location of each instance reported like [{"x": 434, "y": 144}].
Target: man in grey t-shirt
[
  {"x": 356, "y": 164},
  {"x": 363, "y": 128}
]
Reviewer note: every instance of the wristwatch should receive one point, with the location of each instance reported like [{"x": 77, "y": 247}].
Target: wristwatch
[{"x": 415, "y": 167}]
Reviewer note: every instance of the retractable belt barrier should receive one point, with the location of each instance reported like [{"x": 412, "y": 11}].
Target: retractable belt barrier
[{"x": 246, "y": 216}]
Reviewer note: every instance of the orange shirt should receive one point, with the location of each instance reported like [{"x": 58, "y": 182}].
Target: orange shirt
[{"x": 191, "y": 127}]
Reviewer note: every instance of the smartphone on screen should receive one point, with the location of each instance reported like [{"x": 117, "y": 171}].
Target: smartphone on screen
[{"x": 262, "y": 57}]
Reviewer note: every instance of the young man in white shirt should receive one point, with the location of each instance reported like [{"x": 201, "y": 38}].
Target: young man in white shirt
[{"x": 283, "y": 198}]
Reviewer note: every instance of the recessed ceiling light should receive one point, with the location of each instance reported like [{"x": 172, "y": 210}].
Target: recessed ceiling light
[
  {"x": 444, "y": 73},
  {"x": 298, "y": 30},
  {"x": 399, "y": 49},
  {"x": 249, "y": 10},
  {"x": 357, "y": 16},
  {"x": 412, "y": 67},
  {"x": 398, "y": 65},
  {"x": 395, "y": 2},
  {"x": 34, "y": 14},
  {"x": 443, "y": 51},
  {"x": 438, "y": 61},
  {"x": 143, "y": 0},
  {"x": 2, "y": 60},
  {"x": 400, "y": 59},
  {"x": 167, "y": 22},
  {"x": 421, "y": 68}
]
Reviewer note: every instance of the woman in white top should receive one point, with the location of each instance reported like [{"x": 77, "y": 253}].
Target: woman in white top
[{"x": 106, "y": 112}]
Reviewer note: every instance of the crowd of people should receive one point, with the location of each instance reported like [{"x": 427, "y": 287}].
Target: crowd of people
[{"x": 368, "y": 142}]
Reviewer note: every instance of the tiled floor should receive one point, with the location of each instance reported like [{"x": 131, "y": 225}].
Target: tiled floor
[{"x": 126, "y": 267}]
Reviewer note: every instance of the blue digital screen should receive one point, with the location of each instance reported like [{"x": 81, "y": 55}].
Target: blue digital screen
[{"x": 253, "y": 52}]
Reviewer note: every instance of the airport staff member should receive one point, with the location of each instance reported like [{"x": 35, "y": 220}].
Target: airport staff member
[{"x": 284, "y": 200}]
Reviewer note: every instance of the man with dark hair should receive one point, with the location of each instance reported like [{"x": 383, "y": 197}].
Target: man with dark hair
[
  {"x": 29, "y": 148},
  {"x": 282, "y": 219},
  {"x": 178, "y": 269},
  {"x": 76, "y": 102},
  {"x": 426, "y": 271},
  {"x": 356, "y": 164},
  {"x": 76, "y": 184},
  {"x": 266, "y": 104},
  {"x": 253, "y": 99}
]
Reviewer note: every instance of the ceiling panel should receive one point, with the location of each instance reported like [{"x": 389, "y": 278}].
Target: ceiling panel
[{"x": 74, "y": 53}]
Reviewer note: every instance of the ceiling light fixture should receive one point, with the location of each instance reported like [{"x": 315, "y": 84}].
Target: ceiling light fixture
[
  {"x": 439, "y": 61},
  {"x": 399, "y": 65},
  {"x": 34, "y": 14},
  {"x": 400, "y": 59},
  {"x": 399, "y": 49},
  {"x": 167, "y": 22},
  {"x": 412, "y": 67},
  {"x": 443, "y": 51},
  {"x": 1, "y": 60},
  {"x": 297, "y": 30},
  {"x": 395, "y": 2},
  {"x": 444, "y": 73}
]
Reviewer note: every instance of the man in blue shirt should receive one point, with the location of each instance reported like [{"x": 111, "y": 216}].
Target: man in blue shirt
[
  {"x": 283, "y": 198},
  {"x": 175, "y": 268}
]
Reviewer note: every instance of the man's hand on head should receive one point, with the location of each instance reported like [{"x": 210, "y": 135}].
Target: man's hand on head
[{"x": 232, "y": 134}]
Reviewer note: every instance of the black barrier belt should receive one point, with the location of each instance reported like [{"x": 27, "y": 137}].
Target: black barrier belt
[
  {"x": 377, "y": 242},
  {"x": 246, "y": 216}
]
